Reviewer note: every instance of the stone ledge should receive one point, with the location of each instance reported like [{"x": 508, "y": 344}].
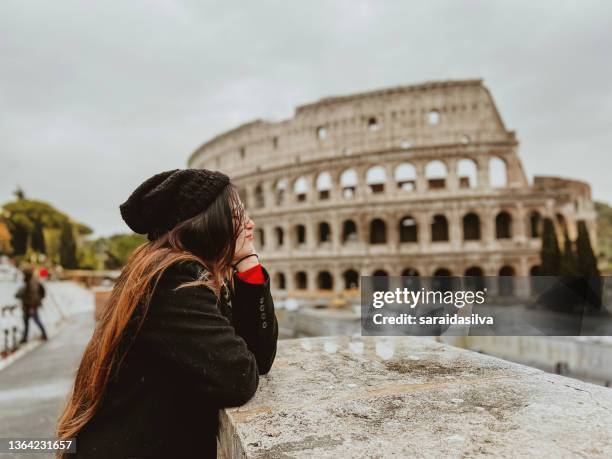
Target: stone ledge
[{"x": 413, "y": 397}]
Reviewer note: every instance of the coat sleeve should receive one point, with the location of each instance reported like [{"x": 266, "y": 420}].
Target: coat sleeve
[
  {"x": 186, "y": 331},
  {"x": 254, "y": 319}
]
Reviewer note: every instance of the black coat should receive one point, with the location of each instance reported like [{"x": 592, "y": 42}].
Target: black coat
[{"x": 191, "y": 358}]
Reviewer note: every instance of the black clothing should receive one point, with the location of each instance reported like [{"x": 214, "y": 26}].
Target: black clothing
[
  {"x": 31, "y": 295},
  {"x": 170, "y": 197},
  {"x": 190, "y": 358},
  {"x": 33, "y": 313}
]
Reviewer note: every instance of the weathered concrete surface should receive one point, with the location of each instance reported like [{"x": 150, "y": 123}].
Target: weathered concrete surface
[{"x": 413, "y": 397}]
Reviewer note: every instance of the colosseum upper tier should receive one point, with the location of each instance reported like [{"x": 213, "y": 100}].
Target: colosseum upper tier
[{"x": 422, "y": 179}]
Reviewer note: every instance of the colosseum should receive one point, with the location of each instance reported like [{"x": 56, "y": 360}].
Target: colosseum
[{"x": 412, "y": 180}]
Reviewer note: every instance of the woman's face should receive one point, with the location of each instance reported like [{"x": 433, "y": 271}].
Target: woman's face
[{"x": 246, "y": 236}]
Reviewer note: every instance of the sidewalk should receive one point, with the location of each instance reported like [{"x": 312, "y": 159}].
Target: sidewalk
[{"x": 34, "y": 388}]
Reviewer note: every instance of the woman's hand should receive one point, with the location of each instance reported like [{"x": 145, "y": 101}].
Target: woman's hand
[{"x": 244, "y": 248}]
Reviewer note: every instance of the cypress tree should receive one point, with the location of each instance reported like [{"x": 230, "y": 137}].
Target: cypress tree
[
  {"x": 68, "y": 255},
  {"x": 586, "y": 259},
  {"x": 568, "y": 259},
  {"x": 587, "y": 266},
  {"x": 550, "y": 253}
]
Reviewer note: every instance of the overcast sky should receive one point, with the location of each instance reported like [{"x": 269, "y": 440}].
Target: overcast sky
[{"x": 97, "y": 96}]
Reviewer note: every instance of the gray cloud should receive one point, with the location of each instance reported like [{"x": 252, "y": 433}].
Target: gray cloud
[{"x": 97, "y": 96}]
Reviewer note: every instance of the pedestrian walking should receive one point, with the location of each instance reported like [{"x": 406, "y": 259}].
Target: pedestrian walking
[
  {"x": 188, "y": 329},
  {"x": 31, "y": 294}
]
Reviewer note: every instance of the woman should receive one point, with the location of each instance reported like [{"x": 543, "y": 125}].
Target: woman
[{"x": 188, "y": 329}]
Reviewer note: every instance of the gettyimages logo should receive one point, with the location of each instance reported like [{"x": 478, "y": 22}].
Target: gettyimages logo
[
  {"x": 504, "y": 306},
  {"x": 412, "y": 298}
]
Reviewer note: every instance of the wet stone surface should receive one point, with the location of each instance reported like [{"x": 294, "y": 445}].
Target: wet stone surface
[{"x": 413, "y": 397}]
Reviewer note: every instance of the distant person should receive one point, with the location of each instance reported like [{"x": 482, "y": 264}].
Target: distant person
[
  {"x": 188, "y": 329},
  {"x": 31, "y": 295}
]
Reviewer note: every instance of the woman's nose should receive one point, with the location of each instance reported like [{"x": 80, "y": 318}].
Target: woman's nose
[{"x": 250, "y": 224}]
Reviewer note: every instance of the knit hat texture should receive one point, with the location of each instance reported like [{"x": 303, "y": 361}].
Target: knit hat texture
[{"x": 167, "y": 198}]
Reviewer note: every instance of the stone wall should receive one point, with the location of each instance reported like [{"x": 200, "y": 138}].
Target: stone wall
[{"x": 369, "y": 397}]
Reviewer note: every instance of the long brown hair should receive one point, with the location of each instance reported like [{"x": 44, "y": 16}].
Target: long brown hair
[{"x": 209, "y": 239}]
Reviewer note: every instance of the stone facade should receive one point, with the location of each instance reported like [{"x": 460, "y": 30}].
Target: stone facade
[{"x": 414, "y": 179}]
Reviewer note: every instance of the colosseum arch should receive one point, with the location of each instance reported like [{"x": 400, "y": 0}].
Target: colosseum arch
[
  {"x": 301, "y": 188},
  {"x": 325, "y": 281},
  {"x": 280, "y": 281},
  {"x": 373, "y": 124},
  {"x": 467, "y": 173},
  {"x": 376, "y": 177},
  {"x": 443, "y": 280},
  {"x": 535, "y": 224},
  {"x": 380, "y": 279},
  {"x": 408, "y": 229},
  {"x": 324, "y": 185},
  {"x": 471, "y": 227},
  {"x": 348, "y": 183},
  {"x": 436, "y": 174},
  {"x": 561, "y": 223},
  {"x": 279, "y": 236},
  {"x": 378, "y": 231},
  {"x": 503, "y": 225},
  {"x": 351, "y": 279},
  {"x": 349, "y": 231},
  {"x": 299, "y": 235},
  {"x": 474, "y": 271},
  {"x": 301, "y": 280},
  {"x": 433, "y": 117},
  {"x": 498, "y": 172},
  {"x": 259, "y": 197},
  {"x": 439, "y": 228},
  {"x": 280, "y": 191},
  {"x": 474, "y": 278},
  {"x": 506, "y": 281},
  {"x": 410, "y": 279},
  {"x": 324, "y": 232},
  {"x": 405, "y": 177}
]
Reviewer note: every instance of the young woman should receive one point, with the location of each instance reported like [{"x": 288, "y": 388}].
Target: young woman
[{"x": 189, "y": 327}]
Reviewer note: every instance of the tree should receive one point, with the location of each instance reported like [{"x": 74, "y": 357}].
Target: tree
[
  {"x": 36, "y": 226},
  {"x": 19, "y": 193},
  {"x": 569, "y": 266},
  {"x": 587, "y": 266},
  {"x": 120, "y": 247},
  {"x": 68, "y": 247},
  {"x": 5, "y": 240},
  {"x": 26, "y": 221},
  {"x": 586, "y": 259},
  {"x": 83, "y": 230},
  {"x": 550, "y": 253}
]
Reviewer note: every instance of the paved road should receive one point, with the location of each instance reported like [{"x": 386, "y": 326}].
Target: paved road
[{"x": 34, "y": 388}]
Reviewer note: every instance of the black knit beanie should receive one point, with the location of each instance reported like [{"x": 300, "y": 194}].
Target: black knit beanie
[{"x": 167, "y": 198}]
